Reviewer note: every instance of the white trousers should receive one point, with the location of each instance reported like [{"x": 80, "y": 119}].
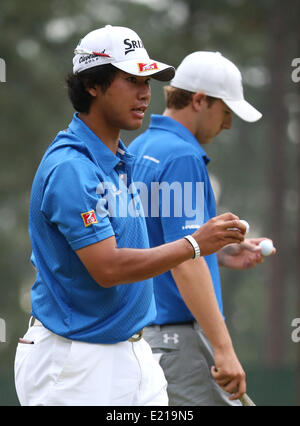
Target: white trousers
[{"x": 55, "y": 371}]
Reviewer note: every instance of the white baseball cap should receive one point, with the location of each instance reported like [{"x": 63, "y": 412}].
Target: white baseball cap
[
  {"x": 216, "y": 76},
  {"x": 121, "y": 47}
]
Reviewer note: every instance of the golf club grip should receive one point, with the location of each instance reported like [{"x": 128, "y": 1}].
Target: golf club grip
[{"x": 246, "y": 401}]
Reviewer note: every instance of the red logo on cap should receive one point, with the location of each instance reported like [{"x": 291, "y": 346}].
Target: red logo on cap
[
  {"x": 147, "y": 67},
  {"x": 89, "y": 218}
]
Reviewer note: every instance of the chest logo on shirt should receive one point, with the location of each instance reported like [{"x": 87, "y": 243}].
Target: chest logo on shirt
[{"x": 89, "y": 218}]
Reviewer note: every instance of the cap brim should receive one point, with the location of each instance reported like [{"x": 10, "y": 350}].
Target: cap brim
[
  {"x": 155, "y": 69},
  {"x": 244, "y": 110}
]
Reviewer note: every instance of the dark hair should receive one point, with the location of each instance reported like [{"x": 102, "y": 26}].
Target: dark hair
[
  {"x": 179, "y": 98},
  {"x": 102, "y": 75}
]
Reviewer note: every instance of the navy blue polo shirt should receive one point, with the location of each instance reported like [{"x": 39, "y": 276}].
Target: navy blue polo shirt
[
  {"x": 170, "y": 160},
  {"x": 79, "y": 197}
]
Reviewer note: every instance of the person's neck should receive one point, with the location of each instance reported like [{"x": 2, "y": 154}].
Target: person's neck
[
  {"x": 109, "y": 135},
  {"x": 182, "y": 116},
  {"x": 187, "y": 118}
]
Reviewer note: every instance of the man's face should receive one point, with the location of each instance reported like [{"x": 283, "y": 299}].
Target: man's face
[
  {"x": 124, "y": 103},
  {"x": 213, "y": 118}
]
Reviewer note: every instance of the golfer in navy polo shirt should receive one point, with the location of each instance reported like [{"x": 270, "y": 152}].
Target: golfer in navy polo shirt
[{"x": 93, "y": 292}]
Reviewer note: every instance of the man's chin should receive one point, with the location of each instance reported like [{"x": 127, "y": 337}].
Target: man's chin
[{"x": 133, "y": 126}]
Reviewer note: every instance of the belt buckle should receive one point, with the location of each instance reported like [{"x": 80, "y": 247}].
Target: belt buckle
[{"x": 136, "y": 337}]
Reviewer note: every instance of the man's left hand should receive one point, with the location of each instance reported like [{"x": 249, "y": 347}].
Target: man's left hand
[{"x": 242, "y": 256}]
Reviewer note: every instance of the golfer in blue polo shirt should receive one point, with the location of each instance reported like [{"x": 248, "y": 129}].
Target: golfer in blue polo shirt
[
  {"x": 178, "y": 155},
  {"x": 199, "y": 102},
  {"x": 93, "y": 293}
]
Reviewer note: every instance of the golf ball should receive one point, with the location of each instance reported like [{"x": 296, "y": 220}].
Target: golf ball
[
  {"x": 266, "y": 247},
  {"x": 244, "y": 222}
]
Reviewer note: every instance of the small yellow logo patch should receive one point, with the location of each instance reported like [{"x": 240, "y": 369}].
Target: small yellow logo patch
[{"x": 89, "y": 218}]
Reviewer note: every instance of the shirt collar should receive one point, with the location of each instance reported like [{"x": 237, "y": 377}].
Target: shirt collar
[
  {"x": 169, "y": 124},
  {"x": 105, "y": 158}
]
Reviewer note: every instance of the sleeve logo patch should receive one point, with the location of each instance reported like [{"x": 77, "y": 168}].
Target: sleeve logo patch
[{"x": 89, "y": 218}]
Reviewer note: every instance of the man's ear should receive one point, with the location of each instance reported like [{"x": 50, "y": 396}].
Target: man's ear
[
  {"x": 198, "y": 100},
  {"x": 92, "y": 90}
]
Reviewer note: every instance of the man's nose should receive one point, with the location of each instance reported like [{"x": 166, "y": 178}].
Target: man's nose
[{"x": 144, "y": 92}]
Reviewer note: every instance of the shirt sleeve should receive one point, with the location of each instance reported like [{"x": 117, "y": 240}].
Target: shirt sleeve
[
  {"x": 71, "y": 202},
  {"x": 182, "y": 207}
]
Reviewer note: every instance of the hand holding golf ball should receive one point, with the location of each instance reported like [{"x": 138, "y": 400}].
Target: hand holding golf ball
[
  {"x": 245, "y": 223},
  {"x": 266, "y": 247}
]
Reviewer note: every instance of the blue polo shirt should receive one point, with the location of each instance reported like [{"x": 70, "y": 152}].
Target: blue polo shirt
[
  {"x": 79, "y": 197},
  {"x": 169, "y": 155}
]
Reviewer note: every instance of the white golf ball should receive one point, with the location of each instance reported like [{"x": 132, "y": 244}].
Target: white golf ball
[
  {"x": 244, "y": 222},
  {"x": 266, "y": 247}
]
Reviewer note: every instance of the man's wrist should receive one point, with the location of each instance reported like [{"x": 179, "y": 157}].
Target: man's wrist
[{"x": 221, "y": 341}]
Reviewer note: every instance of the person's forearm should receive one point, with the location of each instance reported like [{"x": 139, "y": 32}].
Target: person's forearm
[
  {"x": 110, "y": 265},
  {"x": 194, "y": 282},
  {"x": 195, "y": 285},
  {"x": 133, "y": 265}
]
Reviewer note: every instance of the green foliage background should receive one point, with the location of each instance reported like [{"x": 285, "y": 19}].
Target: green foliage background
[{"x": 255, "y": 167}]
